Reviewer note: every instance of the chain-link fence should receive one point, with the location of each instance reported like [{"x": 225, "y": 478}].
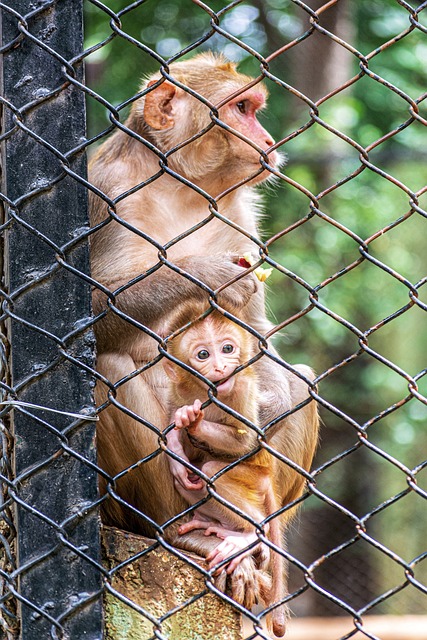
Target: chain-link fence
[{"x": 343, "y": 235}]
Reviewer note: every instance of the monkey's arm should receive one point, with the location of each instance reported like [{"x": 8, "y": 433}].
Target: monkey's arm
[
  {"x": 222, "y": 441},
  {"x": 152, "y": 298}
]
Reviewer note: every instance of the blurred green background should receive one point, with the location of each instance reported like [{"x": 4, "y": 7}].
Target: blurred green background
[{"x": 367, "y": 205}]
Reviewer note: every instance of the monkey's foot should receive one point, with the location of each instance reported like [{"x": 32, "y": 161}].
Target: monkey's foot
[
  {"x": 232, "y": 542},
  {"x": 249, "y": 585}
]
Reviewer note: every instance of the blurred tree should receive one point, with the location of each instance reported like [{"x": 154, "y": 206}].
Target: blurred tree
[{"x": 351, "y": 203}]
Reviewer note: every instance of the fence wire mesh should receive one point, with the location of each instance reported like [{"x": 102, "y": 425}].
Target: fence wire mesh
[{"x": 347, "y": 106}]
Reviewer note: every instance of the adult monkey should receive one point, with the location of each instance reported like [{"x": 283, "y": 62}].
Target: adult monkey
[{"x": 137, "y": 218}]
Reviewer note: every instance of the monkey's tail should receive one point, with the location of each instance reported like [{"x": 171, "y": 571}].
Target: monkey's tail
[{"x": 280, "y": 615}]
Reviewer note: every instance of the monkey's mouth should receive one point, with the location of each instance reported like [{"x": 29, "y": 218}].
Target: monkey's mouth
[{"x": 225, "y": 386}]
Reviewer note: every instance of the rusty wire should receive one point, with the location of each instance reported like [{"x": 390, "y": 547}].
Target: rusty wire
[{"x": 359, "y": 527}]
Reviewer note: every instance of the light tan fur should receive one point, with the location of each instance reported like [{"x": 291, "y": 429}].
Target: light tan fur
[{"x": 135, "y": 411}]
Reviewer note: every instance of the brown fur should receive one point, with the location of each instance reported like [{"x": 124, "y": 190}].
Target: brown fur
[{"x": 250, "y": 486}]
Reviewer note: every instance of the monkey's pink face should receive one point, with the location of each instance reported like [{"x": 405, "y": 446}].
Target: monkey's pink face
[
  {"x": 215, "y": 358},
  {"x": 241, "y": 115}
]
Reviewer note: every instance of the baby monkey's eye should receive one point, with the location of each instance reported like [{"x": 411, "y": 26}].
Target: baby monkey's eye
[
  {"x": 203, "y": 354},
  {"x": 228, "y": 348}
]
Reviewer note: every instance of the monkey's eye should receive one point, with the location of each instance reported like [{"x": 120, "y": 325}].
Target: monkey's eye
[
  {"x": 242, "y": 106},
  {"x": 228, "y": 348},
  {"x": 203, "y": 354}
]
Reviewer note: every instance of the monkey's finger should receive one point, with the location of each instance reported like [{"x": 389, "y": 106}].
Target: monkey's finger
[
  {"x": 235, "y": 563},
  {"x": 198, "y": 413},
  {"x": 184, "y": 419},
  {"x": 223, "y": 556},
  {"x": 190, "y": 526},
  {"x": 218, "y": 571},
  {"x": 193, "y": 482},
  {"x": 213, "y": 554},
  {"x": 216, "y": 561},
  {"x": 221, "y": 532},
  {"x": 220, "y": 553},
  {"x": 216, "y": 531},
  {"x": 178, "y": 419},
  {"x": 190, "y": 415},
  {"x": 226, "y": 549}
]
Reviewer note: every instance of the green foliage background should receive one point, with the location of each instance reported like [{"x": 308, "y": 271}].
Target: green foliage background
[{"x": 364, "y": 296}]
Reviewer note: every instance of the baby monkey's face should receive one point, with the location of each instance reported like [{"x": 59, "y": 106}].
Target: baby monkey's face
[{"x": 214, "y": 350}]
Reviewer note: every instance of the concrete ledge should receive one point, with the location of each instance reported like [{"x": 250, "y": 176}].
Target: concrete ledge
[
  {"x": 384, "y": 627},
  {"x": 159, "y": 583}
]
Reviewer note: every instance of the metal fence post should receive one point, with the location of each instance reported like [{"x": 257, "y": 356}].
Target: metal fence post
[{"x": 47, "y": 313}]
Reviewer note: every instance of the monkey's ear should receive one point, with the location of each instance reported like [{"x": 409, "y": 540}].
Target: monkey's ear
[
  {"x": 170, "y": 370},
  {"x": 158, "y": 106}
]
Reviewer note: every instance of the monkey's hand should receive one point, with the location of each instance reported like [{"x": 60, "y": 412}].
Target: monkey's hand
[
  {"x": 217, "y": 271},
  {"x": 189, "y": 417},
  {"x": 183, "y": 478},
  {"x": 238, "y": 293},
  {"x": 233, "y": 542}
]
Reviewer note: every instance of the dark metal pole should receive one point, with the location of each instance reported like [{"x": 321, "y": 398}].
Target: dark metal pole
[{"x": 47, "y": 312}]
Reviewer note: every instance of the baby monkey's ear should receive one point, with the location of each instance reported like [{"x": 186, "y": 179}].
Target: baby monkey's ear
[{"x": 170, "y": 370}]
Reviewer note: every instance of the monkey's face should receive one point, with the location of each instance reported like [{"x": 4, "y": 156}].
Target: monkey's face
[
  {"x": 215, "y": 355},
  {"x": 231, "y": 150},
  {"x": 241, "y": 114}
]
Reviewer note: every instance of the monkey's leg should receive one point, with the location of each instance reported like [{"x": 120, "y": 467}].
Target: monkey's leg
[
  {"x": 296, "y": 436},
  {"x": 123, "y": 441},
  {"x": 249, "y": 583}
]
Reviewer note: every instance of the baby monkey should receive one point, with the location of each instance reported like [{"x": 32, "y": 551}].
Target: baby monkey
[{"x": 211, "y": 438}]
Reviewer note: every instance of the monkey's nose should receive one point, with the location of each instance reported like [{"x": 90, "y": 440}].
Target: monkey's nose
[{"x": 220, "y": 368}]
